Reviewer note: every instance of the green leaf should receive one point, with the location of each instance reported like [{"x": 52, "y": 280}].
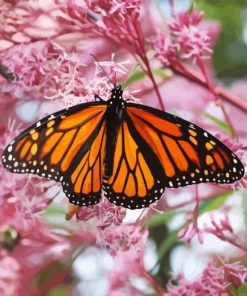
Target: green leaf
[
  {"x": 159, "y": 219},
  {"x": 229, "y": 56},
  {"x": 61, "y": 290},
  {"x": 167, "y": 243},
  {"x": 52, "y": 210},
  {"x": 244, "y": 203},
  {"x": 214, "y": 202},
  {"x": 242, "y": 291},
  {"x": 137, "y": 76},
  {"x": 48, "y": 272},
  {"x": 165, "y": 246},
  {"x": 164, "y": 74},
  {"x": 221, "y": 123}
]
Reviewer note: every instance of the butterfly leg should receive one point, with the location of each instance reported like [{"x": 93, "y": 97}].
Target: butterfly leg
[
  {"x": 98, "y": 97},
  {"x": 71, "y": 211}
]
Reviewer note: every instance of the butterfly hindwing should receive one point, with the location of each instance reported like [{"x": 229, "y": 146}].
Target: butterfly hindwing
[
  {"x": 132, "y": 183},
  {"x": 68, "y": 147},
  {"x": 87, "y": 175},
  {"x": 186, "y": 153}
]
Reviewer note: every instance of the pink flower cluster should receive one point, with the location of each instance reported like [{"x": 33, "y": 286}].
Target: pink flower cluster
[
  {"x": 115, "y": 20},
  {"x": 44, "y": 71},
  {"x": 222, "y": 230},
  {"x": 27, "y": 245},
  {"x": 110, "y": 231},
  {"x": 19, "y": 185},
  {"x": 186, "y": 40},
  {"x": 106, "y": 213},
  {"x": 120, "y": 276},
  {"x": 215, "y": 280}
]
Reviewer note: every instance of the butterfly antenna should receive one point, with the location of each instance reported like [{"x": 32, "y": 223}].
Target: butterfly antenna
[
  {"x": 101, "y": 67},
  {"x": 131, "y": 72}
]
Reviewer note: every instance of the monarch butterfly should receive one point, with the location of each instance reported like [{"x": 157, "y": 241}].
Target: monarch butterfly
[{"x": 131, "y": 151}]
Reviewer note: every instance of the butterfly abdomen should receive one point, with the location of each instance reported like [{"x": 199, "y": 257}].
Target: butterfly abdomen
[
  {"x": 112, "y": 132},
  {"x": 114, "y": 118}
]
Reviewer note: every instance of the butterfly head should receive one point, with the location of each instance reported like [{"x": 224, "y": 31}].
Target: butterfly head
[{"x": 117, "y": 92}]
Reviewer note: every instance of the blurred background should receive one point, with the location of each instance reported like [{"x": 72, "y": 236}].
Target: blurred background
[{"x": 165, "y": 253}]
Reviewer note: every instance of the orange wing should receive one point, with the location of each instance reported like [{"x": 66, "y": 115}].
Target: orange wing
[
  {"x": 183, "y": 153},
  {"x": 132, "y": 183},
  {"x": 69, "y": 147}
]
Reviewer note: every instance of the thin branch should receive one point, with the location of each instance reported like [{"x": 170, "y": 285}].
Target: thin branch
[{"x": 193, "y": 76}]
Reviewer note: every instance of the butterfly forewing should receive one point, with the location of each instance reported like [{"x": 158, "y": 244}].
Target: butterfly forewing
[
  {"x": 186, "y": 153},
  {"x": 67, "y": 146}
]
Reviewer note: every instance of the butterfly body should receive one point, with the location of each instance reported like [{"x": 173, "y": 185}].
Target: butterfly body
[
  {"x": 114, "y": 117},
  {"x": 130, "y": 151}
]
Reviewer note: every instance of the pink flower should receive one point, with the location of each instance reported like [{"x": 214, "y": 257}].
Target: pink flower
[
  {"x": 193, "y": 42},
  {"x": 235, "y": 273},
  {"x": 44, "y": 70},
  {"x": 166, "y": 50},
  {"x": 7, "y": 102},
  {"x": 213, "y": 29},
  {"x": 213, "y": 281},
  {"x": 110, "y": 231},
  {"x": 218, "y": 228},
  {"x": 117, "y": 9},
  {"x": 186, "y": 19},
  {"x": 16, "y": 186},
  {"x": 115, "y": 19},
  {"x": 26, "y": 245},
  {"x": 113, "y": 68},
  {"x": 231, "y": 144},
  {"x": 122, "y": 238},
  {"x": 223, "y": 230},
  {"x": 27, "y": 190},
  {"x": 128, "y": 263},
  {"x": 47, "y": 70},
  {"x": 7, "y": 22},
  {"x": 186, "y": 41},
  {"x": 188, "y": 232},
  {"x": 109, "y": 228},
  {"x": 10, "y": 282},
  {"x": 106, "y": 213}
]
